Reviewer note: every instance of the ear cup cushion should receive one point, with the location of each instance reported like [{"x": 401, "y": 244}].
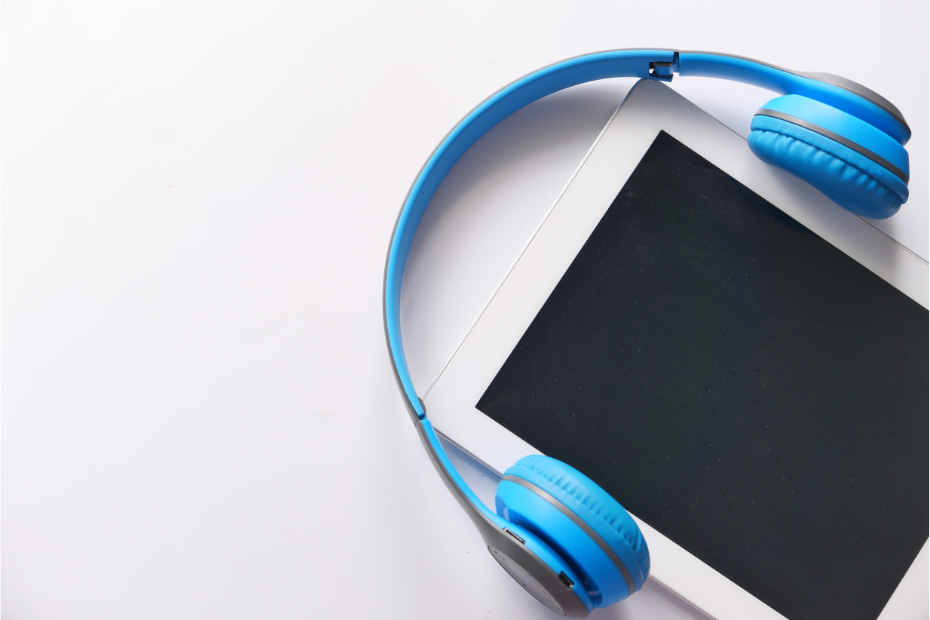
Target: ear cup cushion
[
  {"x": 826, "y": 120},
  {"x": 594, "y": 506},
  {"x": 850, "y": 179}
]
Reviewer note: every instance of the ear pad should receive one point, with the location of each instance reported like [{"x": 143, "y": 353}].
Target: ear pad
[
  {"x": 581, "y": 521},
  {"x": 856, "y": 165}
]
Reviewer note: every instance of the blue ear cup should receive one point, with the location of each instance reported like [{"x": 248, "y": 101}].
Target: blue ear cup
[
  {"x": 856, "y": 165},
  {"x": 579, "y": 520}
]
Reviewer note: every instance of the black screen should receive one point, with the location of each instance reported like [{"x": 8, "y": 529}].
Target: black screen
[{"x": 741, "y": 385}]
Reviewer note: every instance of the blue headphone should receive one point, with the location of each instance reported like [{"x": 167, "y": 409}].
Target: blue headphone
[{"x": 562, "y": 537}]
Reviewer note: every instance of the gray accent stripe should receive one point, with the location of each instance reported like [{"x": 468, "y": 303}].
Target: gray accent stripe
[
  {"x": 827, "y": 78},
  {"x": 584, "y": 526},
  {"x": 881, "y": 161},
  {"x": 858, "y": 89}
]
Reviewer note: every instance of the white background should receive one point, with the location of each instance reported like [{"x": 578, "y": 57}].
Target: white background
[{"x": 199, "y": 416}]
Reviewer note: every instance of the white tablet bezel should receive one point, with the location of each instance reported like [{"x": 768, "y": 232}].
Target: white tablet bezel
[{"x": 649, "y": 108}]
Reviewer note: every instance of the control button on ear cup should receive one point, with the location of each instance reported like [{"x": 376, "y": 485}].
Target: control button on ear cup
[
  {"x": 581, "y": 521},
  {"x": 851, "y": 177},
  {"x": 541, "y": 571}
]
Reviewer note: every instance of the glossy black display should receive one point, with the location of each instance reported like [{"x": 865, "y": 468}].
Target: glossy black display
[{"x": 740, "y": 384}]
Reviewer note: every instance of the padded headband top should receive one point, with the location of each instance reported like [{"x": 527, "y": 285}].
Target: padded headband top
[{"x": 656, "y": 64}]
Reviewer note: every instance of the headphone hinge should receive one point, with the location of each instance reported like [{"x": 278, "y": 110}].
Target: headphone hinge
[{"x": 664, "y": 71}]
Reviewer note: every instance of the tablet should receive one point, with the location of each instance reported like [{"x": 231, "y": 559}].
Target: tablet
[{"x": 737, "y": 360}]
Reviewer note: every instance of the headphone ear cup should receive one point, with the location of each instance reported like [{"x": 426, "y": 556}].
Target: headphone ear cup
[
  {"x": 853, "y": 180},
  {"x": 581, "y": 521}
]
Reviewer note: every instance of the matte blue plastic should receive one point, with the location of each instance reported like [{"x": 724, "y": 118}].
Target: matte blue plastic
[
  {"x": 853, "y": 181},
  {"x": 603, "y": 581},
  {"x": 785, "y": 83},
  {"x": 601, "y": 512},
  {"x": 845, "y": 125},
  {"x": 620, "y": 63}
]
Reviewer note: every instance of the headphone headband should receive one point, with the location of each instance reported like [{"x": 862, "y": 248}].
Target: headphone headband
[
  {"x": 834, "y": 91},
  {"x": 655, "y": 64},
  {"x": 497, "y": 107}
]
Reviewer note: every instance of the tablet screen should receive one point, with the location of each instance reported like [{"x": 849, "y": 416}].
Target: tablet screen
[{"x": 741, "y": 385}]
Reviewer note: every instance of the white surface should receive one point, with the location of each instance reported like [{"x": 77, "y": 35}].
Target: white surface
[
  {"x": 649, "y": 108},
  {"x": 199, "y": 418}
]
